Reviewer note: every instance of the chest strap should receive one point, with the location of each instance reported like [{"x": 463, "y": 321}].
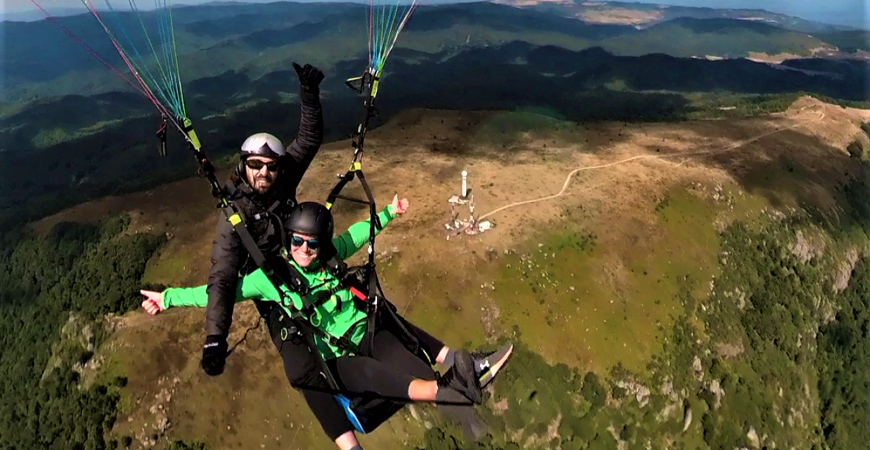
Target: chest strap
[{"x": 308, "y": 308}]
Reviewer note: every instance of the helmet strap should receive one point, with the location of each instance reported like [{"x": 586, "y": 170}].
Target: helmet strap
[{"x": 243, "y": 174}]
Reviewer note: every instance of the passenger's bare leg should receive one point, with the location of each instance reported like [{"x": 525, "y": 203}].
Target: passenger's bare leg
[
  {"x": 442, "y": 355},
  {"x": 347, "y": 441}
]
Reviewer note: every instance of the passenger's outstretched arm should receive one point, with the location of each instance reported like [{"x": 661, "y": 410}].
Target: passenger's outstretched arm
[
  {"x": 357, "y": 235},
  {"x": 253, "y": 286}
]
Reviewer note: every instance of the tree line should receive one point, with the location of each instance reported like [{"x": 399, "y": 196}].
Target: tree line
[{"x": 78, "y": 271}]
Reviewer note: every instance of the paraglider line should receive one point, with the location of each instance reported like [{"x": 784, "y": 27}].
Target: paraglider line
[
  {"x": 145, "y": 86},
  {"x": 385, "y": 24},
  {"x": 144, "y": 71},
  {"x": 154, "y": 86},
  {"x": 177, "y": 67},
  {"x": 371, "y": 25},
  {"x": 162, "y": 32},
  {"x": 118, "y": 48}
]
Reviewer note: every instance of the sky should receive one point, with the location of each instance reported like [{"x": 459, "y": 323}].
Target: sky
[{"x": 843, "y": 12}]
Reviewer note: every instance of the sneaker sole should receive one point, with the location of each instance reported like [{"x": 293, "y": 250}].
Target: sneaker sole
[
  {"x": 473, "y": 391},
  {"x": 495, "y": 362}
]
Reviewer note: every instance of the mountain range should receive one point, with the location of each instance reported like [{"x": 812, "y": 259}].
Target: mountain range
[
  {"x": 236, "y": 60},
  {"x": 261, "y": 38},
  {"x": 643, "y": 15}
]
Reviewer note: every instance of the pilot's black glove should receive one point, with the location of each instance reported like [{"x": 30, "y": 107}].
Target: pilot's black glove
[
  {"x": 214, "y": 354},
  {"x": 309, "y": 77}
]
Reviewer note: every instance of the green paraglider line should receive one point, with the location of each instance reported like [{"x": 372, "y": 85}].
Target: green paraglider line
[
  {"x": 124, "y": 57},
  {"x": 135, "y": 8},
  {"x": 400, "y": 27},
  {"x": 165, "y": 32},
  {"x": 163, "y": 72},
  {"x": 177, "y": 67},
  {"x": 140, "y": 68},
  {"x": 389, "y": 28},
  {"x": 375, "y": 38},
  {"x": 385, "y": 24},
  {"x": 152, "y": 81}
]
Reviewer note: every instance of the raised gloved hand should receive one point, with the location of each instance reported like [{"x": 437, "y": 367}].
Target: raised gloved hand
[
  {"x": 309, "y": 76},
  {"x": 214, "y": 354}
]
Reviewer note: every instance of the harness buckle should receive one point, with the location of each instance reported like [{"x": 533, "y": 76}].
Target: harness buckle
[
  {"x": 287, "y": 332},
  {"x": 344, "y": 344},
  {"x": 312, "y": 317}
]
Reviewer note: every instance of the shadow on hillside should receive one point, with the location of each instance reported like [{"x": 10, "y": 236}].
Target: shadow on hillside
[
  {"x": 45, "y": 123},
  {"x": 796, "y": 170}
]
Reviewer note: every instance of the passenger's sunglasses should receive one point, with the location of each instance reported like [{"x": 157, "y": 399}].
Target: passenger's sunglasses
[
  {"x": 297, "y": 241},
  {"x": 257, "y": 164}
]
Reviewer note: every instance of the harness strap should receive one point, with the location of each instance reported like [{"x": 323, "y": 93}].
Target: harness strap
[
  {"x": 248, "y": 241},
  {"x": 321, "y": 298},
  {"x": 270, "y": 211},
  {"x": 324, "y": 367},
  {"x": 337, "y": 267},
  {"x": 344, "y": 343}
]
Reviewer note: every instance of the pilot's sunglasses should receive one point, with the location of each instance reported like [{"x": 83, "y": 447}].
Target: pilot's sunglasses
[
  {"x": 297, "y": 241},
  {"x": 257, "y": 164}
]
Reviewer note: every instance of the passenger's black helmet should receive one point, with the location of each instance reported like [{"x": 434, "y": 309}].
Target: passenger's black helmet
[{"x": 311, "y": 218}]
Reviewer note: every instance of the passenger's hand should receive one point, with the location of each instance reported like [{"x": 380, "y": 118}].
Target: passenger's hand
[
  {"x": 214, "y": 354},
  {"x": 153, "y": 303},
  {"x": 309, "y": 76},
  {"x": 399, "y": 206}
]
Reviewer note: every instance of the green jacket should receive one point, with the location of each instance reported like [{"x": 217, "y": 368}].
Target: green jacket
[{"x": 334, "y": 321}]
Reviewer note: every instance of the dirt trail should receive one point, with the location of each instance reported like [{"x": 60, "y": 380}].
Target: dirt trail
[{"x": 732, "y": 147}]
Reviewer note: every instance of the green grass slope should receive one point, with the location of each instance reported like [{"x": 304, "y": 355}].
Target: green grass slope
[{"x": 687, "y": 37}]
